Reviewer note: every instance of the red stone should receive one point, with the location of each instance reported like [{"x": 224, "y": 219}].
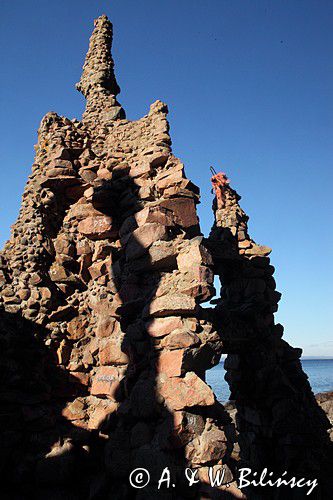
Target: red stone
[
  {"x": 143, "y": 237},
  {"x": 111, "y": 353},
  {"x": 158, "y": 158},
  {"x": 180, "y": 393},
  {"x": 83, "y": 247},
  {"x": 159, "y": 327},
  {"x": 63, "y": 246},
  {"x": 82, "y": 210},
  {"x": 60, "y": 153},
  {"x": 194, "y": 254},
  {"x": 81, "y": 377},
  {"x": 155, "y": 214},
  {"x": 143, "y": 168},
  {"x": 74, "y": 410},
  {"x": 170, "y": 305},
  {"x": 99, "y": 268},
  {"x": 76, "y": 328},
  {"x": 173, "y": 176},
  {"x": 183, "y": 209},
  {"x": 104, "y": 173},
  {"x": 180, "y": 339},
  {"x": 171, "y": 363},
  {"x": 75, "y": 192},
  {"x": 100, "y": 413},
  {"x": 160, "y": 256},
  {"x": 106, "y": 326},
  {"x": 102, "y": 250},
  {"x": 60, "y": 171},
  {"x": 106, "y": 382},
  {"x": 60, "y": 181},
  {"x": 97, "y": 228}
]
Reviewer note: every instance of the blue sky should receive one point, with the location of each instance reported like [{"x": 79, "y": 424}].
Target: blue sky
[{"x": 249, "y": 89}]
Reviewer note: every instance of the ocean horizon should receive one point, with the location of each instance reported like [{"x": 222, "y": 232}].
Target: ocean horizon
[{"x": 319, "y": 371}]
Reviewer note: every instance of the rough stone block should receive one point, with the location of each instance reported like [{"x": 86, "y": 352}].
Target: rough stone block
[
  {"x": 169, "y": 305},
  {"x": 111, "y": 353},
  {"x": 159, "y": 327},
  {"x": 97, "y": 228},
  {"x": 100, "y": 268},
  {"x": 194, "y": 254},
  {"x": 183, "y": 209},
  {"x": 143, "y": 237},
  {"x": 156, "y": 214},
  {"x": 107, "y": 326},
  {"x": 180, "y": 393},
  {"x": 171, "y": 363},
  {"x": 161, "y": 255},
  {"x": 180, "y": 339},
  {"x": 106, "y": 382},
  {"x": 76, "y": 328}
]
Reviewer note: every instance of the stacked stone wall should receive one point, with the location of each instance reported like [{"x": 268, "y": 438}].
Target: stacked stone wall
[
  {"x": 106, "y": 269},
  {"x": 104, "y": 343},
  {"x": 281, "y": 427}
]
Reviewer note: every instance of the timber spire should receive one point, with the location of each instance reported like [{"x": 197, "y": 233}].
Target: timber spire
[{"x": 98, "y": 82}]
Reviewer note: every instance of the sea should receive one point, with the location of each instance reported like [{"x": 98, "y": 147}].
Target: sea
[{"x": 319, "y": 371}]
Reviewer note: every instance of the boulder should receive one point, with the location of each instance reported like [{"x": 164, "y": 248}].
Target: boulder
[
  {"x": 143, "y": 237},
  {"x": 106, "y": 326},
  {"x": 258, "y": 250},
  {"x": 63, "y": 245},
  {"x": 156, "y": 214},
  {"x": 100, "y": 268},
  {"x": 83, "y": 247},
  {"x": 186, "y": 392},
  {"x": 143, "y": 169},
  {"x": 99, "y": 411},
  {"x": 180, "y": 339},
  {"x": 170, "y": 305},
  {"x": 106, "y": 382},
  {"x": 183, "y": 209},
  {"x": 186, "y": 426},
  {"x": 111, "y": 353},
  {"x": 159, "y": 327},
  {"x": 170, "y": 177},
  {"x": 193, "y": 254},
  {"x": 171, "y": 362},
  {"x": 210, "y": 445},
  {"x": 76, "y": 328},
  {"x": 102, "y": 250},
  {"x": 81, "y": 211},
  {"x": 97, "y": 227},
  {"x": 161, "y": 255},
  {"x": 74, "y": 410}
]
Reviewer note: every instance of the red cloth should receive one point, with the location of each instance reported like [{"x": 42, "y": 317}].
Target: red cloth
[{"x": 218, "y": 182}]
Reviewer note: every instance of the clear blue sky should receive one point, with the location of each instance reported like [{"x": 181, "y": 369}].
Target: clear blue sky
[{"x": 249, "y": 88}]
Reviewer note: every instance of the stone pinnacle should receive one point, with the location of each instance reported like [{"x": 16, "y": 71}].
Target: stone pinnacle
[{"x": 98, "y": 82}]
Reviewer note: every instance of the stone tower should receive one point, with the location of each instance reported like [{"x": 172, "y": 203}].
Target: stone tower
[
  {"x": 104, "y": 343},
  {"x": 281, "y": 427},
  {"x": 102, "y": 281},
  {"x": 98, "y": 82}
]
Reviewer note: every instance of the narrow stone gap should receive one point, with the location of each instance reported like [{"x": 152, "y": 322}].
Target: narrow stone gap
[
  {"x": 215, "y": 378},
  {"x": 215, "y": 375}
]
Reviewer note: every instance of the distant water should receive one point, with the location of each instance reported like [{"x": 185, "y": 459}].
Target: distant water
[{"x": 319, "y": 371}]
